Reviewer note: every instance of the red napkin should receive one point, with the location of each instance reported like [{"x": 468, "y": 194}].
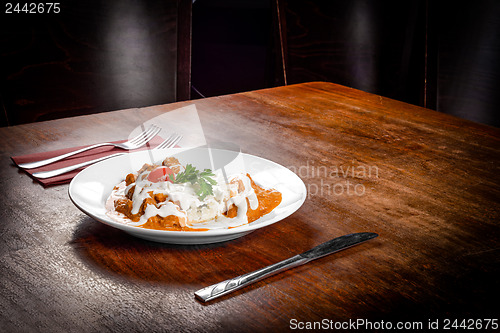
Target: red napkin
[{"x": 78, "y": 158}]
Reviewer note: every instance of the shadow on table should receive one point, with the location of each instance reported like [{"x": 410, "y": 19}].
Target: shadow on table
[{"x": 113, "y": 252}]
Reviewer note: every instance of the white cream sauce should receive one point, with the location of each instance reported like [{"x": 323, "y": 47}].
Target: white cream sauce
[{"x": 182, "y": 201}]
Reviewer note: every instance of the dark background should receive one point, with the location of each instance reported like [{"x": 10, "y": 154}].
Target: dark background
[{"x": 98, "y": 56}]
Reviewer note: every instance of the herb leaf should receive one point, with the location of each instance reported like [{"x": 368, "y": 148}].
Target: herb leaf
[{"x": 194, "y": 176}]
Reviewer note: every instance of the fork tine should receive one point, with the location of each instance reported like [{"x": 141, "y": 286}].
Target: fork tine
[
  {"x": 170, "y": 142},
  {"x": 152, "y": 135},
  {"x": 165, "y": 142},
  {"x": 179, "y": 137},
  {"x": 139, "y": 140},
  {"x": 140, "y": 135},
  {"x": 148, "y": 136},
  {"x": 174, "y": 141}
]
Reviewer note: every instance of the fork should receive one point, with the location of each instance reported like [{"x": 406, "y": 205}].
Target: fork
[
  {"x": 134, "y": 143},
  {"x": 171, "y": 141}
]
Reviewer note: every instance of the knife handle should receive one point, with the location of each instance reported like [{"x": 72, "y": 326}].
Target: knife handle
[{"x": 225, "y": 287}]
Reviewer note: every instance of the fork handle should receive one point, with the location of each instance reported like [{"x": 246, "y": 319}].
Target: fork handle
[
  {"x": 32, "y": 165},
  {"x": 57, "y": 172}
]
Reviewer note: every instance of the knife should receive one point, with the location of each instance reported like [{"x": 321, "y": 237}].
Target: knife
[{"x": 337, "y": 244}]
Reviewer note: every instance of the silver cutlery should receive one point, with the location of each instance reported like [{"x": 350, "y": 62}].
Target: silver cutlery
[
  {"x": 340, "y": 243},
  {"x": 171, "y": 141},
  {"x": 134, "y": 143}
]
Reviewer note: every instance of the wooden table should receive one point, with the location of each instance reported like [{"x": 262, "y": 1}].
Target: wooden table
[{"x": 426, "y": 182}]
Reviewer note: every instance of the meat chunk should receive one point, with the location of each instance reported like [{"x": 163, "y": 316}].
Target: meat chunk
[
  {"x": 129, "y": 179},
  {"x": 123, "y": 206}
]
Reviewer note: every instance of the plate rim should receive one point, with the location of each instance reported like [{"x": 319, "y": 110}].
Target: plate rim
[{"x": 133, "y": 230}]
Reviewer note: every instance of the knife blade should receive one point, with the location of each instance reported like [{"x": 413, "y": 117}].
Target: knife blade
[{"x": 334, "y": 245}]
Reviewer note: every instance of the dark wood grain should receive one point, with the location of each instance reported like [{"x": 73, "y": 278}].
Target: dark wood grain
[{"x": 432, "y": 195}]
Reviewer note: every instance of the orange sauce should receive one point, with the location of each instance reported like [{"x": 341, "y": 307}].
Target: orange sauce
[
  {"x": 268, "y": 200},
  {"x": 170, "y": 222}
]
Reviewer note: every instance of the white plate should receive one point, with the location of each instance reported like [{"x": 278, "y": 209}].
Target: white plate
[{"x": 91, "y": 187}]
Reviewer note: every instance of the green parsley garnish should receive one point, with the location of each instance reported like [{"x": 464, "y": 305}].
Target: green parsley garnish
[{"x": 201, "y": 178}]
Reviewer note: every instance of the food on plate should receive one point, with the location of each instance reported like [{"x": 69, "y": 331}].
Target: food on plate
[{"x": 170, "y": 196}]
